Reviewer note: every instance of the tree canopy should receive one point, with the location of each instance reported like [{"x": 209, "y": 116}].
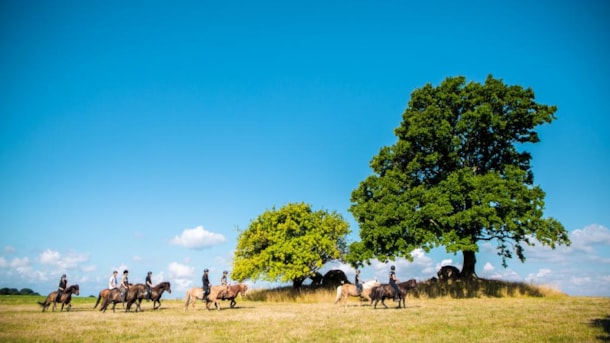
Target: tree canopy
[
  {"x": 289, "y": 244},
  {"x": 457, "y": 175}
]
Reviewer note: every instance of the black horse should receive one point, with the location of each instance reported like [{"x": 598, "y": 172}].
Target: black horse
[{"x": 385, "y": 291}]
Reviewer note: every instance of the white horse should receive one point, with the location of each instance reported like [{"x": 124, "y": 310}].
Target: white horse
[{"x": 344, "y": 291}]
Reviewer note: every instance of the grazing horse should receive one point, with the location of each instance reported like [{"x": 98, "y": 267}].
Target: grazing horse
[
  {"x": 348, "y": 290},
  {"x": 114, "y": 296},
  {"x": 216, "y": 293},
  {"x": 66, "y": 299},
  {"x": 387, "y": 291}
]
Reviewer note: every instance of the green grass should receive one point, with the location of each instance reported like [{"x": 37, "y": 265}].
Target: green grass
[{"x": 311, "y": 316}]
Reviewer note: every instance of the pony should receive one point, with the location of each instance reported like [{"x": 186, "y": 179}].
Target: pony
[
  {"x": 346, "y": 290},
  {"x": 157, "y": 292},
  {"x": 216, "y": 293},
  {"x": 114, "y": 296},
  {"x": 155, "y": 295},
  {"x": 231, "y": 293},
  {"x": 66, "y": 298},
  {"x": 384, "y": 291}
]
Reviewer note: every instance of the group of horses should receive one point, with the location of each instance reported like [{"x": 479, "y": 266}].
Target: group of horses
[
  {"x": 135, "y": 295},
  {"x": 374, "y": 292}
]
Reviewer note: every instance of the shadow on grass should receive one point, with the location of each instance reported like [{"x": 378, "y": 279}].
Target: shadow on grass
[
  {"x": 603, "y": 323},
  {"x": 478, "y": 287}
]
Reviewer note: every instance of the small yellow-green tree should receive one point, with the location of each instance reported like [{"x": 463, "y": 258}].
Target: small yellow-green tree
[{"x": 289, "y": 244}]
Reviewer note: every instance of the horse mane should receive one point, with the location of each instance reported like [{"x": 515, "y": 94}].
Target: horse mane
[{"x": 75, "y": 286}]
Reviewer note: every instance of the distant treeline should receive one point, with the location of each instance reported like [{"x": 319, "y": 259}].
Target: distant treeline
[{"x": 15, "y": 291}]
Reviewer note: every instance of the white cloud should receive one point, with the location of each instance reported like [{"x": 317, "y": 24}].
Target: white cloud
[
  {"x": 585, "y": 239},
  {"x": 488, "y": 267},
  {"x": 180, "y": 275},
  {"x": 69, "y": 261},
  {"x": 198, "y": 238},
  {"x": 9, "y": 249},
  {"x": 20, "y": 262},
  {"x": 50, "y": 257},
  {"x": 3, "y": 262},
  {"x": 180, "y": 271}
]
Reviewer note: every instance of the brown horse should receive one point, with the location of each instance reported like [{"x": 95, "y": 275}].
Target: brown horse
[
  {"x": 115, "y": 296},
  {"x": 155, "y": 296},
  {"x": 66, "y": 298},
  {"x": 349, "y": 290},
  {"x": 231, "y": 293},
  {"x": 387, "y": 291},
  {"x": 157, "y": 292},
  {"x": 216, "y": 293}
]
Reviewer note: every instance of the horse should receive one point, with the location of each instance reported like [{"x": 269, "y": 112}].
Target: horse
[
  {"x": 157, "y": 292},
  {"x": 103, "y": 294},
  {"x": 346, "y": 290},
  {"x": 115, "y": 296},
  {"x": 192, "y": 295},
  {"x": 135, "y": 295},
  {"x": 216, "y": 293},
  {"x": 384, "y": 291},
  {"x": 231, "y": 293},
  {"x": 66, "y": 298},
  {"x": 155, "y": 295}
]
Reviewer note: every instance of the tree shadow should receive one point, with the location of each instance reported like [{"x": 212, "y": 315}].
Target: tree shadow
[{"x": 603, "y": 323}]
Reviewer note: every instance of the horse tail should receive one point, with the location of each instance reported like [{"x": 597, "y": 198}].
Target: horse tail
[
  {"x": 43, "y": 304},
  {"x": 99, "y": 297},
  {"x": 339, "y": 294},
  {"x": 188, "y": 300}
]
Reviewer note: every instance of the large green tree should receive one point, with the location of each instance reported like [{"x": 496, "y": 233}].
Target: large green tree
[
  {"x": 289, "y": 244},
  {"x": 458, "y": 174}
]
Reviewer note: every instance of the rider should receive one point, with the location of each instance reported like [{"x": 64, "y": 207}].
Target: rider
[
  {"x": 358, "y": 282},
  {"x": 112, "y": 282},
  {"x": 149, "y": 286},
  {"x": 393, "y": 281},
  {"x": 125, "y": 284},
  {"x": 225, "y": 282},
  {"x": 63, "y": 284},
  {"x": 206, "y": 284}
]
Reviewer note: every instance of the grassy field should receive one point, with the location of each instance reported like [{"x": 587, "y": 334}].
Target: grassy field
[{"x": 314, "y": 318}]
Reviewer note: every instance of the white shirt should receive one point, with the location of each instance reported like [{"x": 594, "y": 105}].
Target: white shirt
[{"x": 112, "y": 283}]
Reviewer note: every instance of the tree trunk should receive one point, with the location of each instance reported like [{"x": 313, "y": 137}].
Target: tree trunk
[
  {"x": 297, "y": 283},
  {"x": 470, "y": 260}
]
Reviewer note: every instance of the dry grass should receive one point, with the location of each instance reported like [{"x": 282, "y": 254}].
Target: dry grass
[{"x": 311, "y": 316}]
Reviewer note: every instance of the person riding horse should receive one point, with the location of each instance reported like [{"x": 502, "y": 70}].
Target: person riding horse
[
  {"x": 63, "y": 284},
  {"x": 393, "y": 283},
  {"x": 112, "y": 282},
  {"x": 225, "y": 282},
  {"x": 125, "y": 285},
  {"x": 358, "y": 282},
  {"x": 206, "y": 284},
  {"x": 149, "y": 286}
]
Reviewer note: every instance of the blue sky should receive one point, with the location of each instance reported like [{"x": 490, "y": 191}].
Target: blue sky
[{"x": 146, "y": 135}]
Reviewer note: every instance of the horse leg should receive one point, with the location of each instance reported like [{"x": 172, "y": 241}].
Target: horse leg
[
  {"x": 158, "y": 302},
  {"x": 383, "y": 302},
  {"x": 233, "y": 303}
]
